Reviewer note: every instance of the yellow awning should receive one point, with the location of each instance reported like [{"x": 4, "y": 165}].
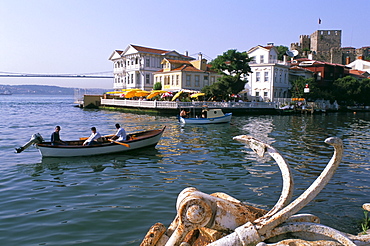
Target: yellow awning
[
  {"x": 141, "y": 93},
  {"x": 197, "y": 95},
  {"x": 130, "y": 94},
  {"x": 176, "y": 95},
  {"x": 154, "y": 93},
  {"x": 151, "y": 95}
]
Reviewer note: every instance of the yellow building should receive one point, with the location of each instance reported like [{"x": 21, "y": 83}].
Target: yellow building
[{"x": 177, "y": 75}]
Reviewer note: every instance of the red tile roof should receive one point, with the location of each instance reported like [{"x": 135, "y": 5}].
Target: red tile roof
[
  {"x": 300, "y": 69},
  {"x": 178, "y": 61},
  {"x": 357, "y": 72},
  {"x": 149, "y": 50},
  {"x": 188, "y": 68}
]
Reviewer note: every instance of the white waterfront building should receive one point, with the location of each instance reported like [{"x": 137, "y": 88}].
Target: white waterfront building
[
  {"x": 270, "y": 77},
  {"x": 133, "y": 67}
]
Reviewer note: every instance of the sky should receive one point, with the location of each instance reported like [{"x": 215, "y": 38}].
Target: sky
[{"x": 78, "y": 36}]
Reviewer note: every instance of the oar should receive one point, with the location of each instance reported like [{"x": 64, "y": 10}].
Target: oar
[
  {"x": 128, "y": 146},
  {"x": 106, "y": 136}
]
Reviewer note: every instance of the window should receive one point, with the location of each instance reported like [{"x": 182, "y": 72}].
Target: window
[
  {"x": 257, "y": 94},
  {"x": 147, "y": 62},
  {"x": 147, "y": 79},
  {"x": 206, "y": 81},
  {"x": 172, "y": 79},
  {"x": 136, "y": 60},
  {"x": 281, "y": 73},
  {"x": 188, "y": 80},
  {"x": 213, "y": 79},
  {"x": 265, "y": 94},
  {"x": 197, "y": 80},
  {"x": 258, "y": 76},
  {"x": 177, "y": 79},
  {"x": 285, "y": 78},
  {"x": 262, "y": 59},
  {"x": 266, "y": 76}
]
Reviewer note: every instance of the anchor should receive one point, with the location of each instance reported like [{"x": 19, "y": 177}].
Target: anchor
[{"x": 221, "y": 220}]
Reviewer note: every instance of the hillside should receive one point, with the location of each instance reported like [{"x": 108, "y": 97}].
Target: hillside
[{"x": 45, "y": 90}]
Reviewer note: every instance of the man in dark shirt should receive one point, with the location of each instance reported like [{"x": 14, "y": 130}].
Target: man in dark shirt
[{"x": 55, "y": 139}]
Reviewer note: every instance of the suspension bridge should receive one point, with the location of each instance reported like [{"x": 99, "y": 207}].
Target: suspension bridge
[{"x": 94, "y": 75}]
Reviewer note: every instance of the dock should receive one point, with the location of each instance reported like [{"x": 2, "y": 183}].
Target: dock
[
  {"x": 174, "y": 107},
  {"x": 169, "y": 107}
]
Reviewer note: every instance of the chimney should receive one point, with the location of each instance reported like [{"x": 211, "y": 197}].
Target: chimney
[
  {"x": 186, "y": 53},
  {"x": 270, "y": 44},
  {"x": 200, "y": 57},
  {"x": 348, "y": 60}
]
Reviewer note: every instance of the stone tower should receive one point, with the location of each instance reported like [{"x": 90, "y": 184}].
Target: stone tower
[{"x": 325, "y": 44}]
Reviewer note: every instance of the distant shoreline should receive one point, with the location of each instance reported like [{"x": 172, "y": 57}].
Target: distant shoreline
[{"x": 47, "y": 90}]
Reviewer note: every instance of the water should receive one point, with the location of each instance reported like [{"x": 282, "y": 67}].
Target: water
[{"x": 114, "y": 199}]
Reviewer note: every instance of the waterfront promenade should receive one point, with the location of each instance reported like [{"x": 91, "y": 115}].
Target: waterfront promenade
[
  {"x": 170, "y": 107},
  {"x": 237, "y": 108}
]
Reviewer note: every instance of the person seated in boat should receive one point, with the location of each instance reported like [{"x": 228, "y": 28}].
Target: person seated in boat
[
  {"x": 55, "y": 138},
  {"x": 120, "y": 135},
  {"x": 95, "y": 137},
  {"x": 184, "y": 114},
  {"x": 204, "y": 112}
]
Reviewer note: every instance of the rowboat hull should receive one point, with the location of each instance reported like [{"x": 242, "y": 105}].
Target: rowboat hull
[
  {"x": 75, "y": 148},
  {"x": 217, "y": 120}
]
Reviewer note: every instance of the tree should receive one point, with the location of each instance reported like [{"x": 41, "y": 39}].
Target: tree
[
  {"x": 234, "y": 67},
  {"x": 297, "y": 90},
  {"x": 157, "y": 86},
  {"x": 232, "y": 63},
  {"x": 281, "y": 51},
  {"x": 225, "y": 86},
  {"x": 349, "y": 91}
]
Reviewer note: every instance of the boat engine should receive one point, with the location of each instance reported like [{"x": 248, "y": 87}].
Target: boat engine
[{"x": 36, "y": 138}]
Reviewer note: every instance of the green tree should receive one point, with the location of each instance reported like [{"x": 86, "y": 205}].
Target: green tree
[
  {"x": 350, "y": 91},
  {"x": 281, "y": 51},
  {"x": 157, "y": 86},
  {"x": 234, "y": 66},
  {"x": 297, "y": 90}
]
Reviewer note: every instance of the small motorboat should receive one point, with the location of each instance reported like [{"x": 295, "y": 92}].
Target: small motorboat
[
  {"x": 208, "y": 116},
  {"x": 107, "y": 146}
]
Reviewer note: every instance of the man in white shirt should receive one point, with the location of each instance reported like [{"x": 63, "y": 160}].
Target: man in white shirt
[
  {"x": 120, "y": 134},
  {"x": 94, "y": 137}
]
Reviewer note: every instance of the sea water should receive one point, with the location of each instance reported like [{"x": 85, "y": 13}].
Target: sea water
[{"x": 114, "y": 199}]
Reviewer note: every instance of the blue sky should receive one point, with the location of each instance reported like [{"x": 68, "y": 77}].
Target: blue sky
[{"x": 78, "y": 36}]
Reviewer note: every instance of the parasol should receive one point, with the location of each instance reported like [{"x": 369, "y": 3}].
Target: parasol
[
  {"x": 197, "y": 95},
  {"x": 176, "y": 95}
]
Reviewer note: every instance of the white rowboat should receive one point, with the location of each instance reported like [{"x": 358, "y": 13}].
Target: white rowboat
[{"x": 75, "y": 148}]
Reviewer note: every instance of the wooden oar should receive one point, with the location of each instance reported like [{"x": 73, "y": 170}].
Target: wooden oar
[
  {"x": 106, "y": 136},
  {"x": 126, "y": 145}
]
